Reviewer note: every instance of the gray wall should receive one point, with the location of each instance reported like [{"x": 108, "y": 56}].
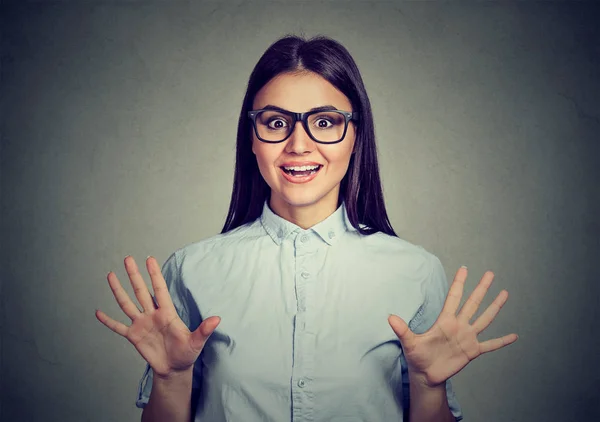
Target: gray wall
[{"x": 118, "y": 129}]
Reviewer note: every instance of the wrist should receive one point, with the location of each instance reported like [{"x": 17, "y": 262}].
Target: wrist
[
  {"x": 175, "y": 376},
  {"x": 170, "y": 398},
  {"x": 428, "y": 401},
  {"x": 422, "y": 381}
]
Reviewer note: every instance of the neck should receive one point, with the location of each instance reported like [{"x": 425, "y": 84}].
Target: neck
[{"x": 304, "y": 216}]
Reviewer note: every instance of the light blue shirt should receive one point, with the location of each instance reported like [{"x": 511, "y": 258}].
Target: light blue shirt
[{"x": 304, "y": 332}]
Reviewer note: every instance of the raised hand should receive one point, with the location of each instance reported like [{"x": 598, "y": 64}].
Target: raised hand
[
  {"x": 451, "y": 343},
  {"x": 157, "y": 332}
]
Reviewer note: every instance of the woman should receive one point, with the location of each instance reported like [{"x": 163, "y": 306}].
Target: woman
[{"x": 310, "y": 283}]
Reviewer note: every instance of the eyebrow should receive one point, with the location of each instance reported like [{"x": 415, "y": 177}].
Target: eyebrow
[{"x": 320, "y": 108}]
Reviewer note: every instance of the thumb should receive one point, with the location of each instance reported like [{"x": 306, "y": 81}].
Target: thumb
[
  {"x": 401, "y": 329},
  {"x": 203, "y": 332}
]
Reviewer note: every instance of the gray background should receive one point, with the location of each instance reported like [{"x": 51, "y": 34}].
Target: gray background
[{"x": 118, "y": 132}]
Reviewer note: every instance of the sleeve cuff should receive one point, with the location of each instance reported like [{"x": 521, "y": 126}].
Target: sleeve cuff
[{"x": 144, "y": 388}]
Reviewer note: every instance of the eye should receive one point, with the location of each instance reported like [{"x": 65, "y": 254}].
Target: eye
[
  {"x": 277, "y": 123},
  {"x": 323, "y": 123},
  {"x": 327, "y": 120},
  {"x": 273, "y": 121}
]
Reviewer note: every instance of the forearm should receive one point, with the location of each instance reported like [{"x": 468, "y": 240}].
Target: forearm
[
  {"x": 170, "y": 400},
  {"x": 428, "y": 404}
]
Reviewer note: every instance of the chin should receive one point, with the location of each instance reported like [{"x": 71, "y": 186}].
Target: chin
[
  {"x": 305, "y": 199},
  {"x": 299, "y": 200}
]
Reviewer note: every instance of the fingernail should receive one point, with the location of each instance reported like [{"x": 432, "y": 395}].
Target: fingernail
[{"x": 463, "y": 266}]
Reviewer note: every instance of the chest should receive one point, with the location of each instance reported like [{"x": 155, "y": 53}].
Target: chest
[{"x": 324, "y": 309}]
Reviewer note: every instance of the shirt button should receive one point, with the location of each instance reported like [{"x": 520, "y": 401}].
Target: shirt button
[
  {"x": 304, "y": 238},
  {"x": 301, "y": 383},
  {"x": 331, "y": 234},
  {"x": 305, "y": 274}
]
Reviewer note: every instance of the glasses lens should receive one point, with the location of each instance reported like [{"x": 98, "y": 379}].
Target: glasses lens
[
  {"x": 273, "y": 125},
  {"x": 325, "y": 126}
]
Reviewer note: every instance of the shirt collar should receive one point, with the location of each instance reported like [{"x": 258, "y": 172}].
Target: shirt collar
[{"x": 329, "y": 230}]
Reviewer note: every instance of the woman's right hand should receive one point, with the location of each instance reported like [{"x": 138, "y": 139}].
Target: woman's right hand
[{"x": 157, "y": 332}]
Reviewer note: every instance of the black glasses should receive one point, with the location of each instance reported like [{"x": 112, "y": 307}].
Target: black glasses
[{"x": 324, "y": 125}]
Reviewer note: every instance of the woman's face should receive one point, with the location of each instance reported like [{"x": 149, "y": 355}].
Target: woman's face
[{"x": 300, "y": 93}]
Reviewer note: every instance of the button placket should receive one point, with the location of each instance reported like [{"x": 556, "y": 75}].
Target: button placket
[
  {"x": 302, "y": 372},
  {"x": 299, "y": 398}
]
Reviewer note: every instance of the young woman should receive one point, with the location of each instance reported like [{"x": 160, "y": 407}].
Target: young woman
[{"x": 297, "y": 310}]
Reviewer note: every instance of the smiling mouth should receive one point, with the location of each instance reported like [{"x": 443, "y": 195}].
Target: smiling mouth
[{"x": 302, "y": 173}]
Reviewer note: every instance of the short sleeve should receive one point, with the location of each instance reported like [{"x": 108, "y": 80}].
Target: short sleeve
[
  {"x": 182, "y": 301},
  {"x": 436, "y": 290}
]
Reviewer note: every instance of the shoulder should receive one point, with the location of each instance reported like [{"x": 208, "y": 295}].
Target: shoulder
[
  {"x": 219, "y": 244},
  {"x": 383, "y": 240},
  {"x": 397, "y": 252}
]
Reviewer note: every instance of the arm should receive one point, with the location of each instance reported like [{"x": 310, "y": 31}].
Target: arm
[
  {"x": 170, "y": 399},
  {"x": 434, "y": 356},
  {"x": 162, "y": 338},
  {"x": 428, "y": 404}
]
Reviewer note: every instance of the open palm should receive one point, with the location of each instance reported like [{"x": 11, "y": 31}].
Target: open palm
[
  {"x": 157, "y": 332},
  {"x": 451, "y": 343}
]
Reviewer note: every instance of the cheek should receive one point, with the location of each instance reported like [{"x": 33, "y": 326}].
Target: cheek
[
  {"x": 341, "y": 157},
  {"x": 265, "y": 155},
  {"x": 258, "y": 151}
]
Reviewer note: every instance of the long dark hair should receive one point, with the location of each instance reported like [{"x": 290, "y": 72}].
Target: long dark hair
[{"x": 360, "y": 188}]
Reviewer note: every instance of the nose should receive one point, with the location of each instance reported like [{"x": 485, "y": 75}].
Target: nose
[{"x": 299, "y": 141}]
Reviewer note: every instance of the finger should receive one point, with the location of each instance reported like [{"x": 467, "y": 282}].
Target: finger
[
  {"x": 486, "y": 318},
  {"x": 456, "y": 291},
  {"x": 203, "y": 332},
  {"x": 472, "y": 304},
  {"x": 497, "y": 343},
  {"x": 115, "y": 326},
  {"x": 161, "y": 292},
  {"x": 402, "y": 330},
  {"x": 125, "y": 303},
  {"x": 139, "y": 287}
]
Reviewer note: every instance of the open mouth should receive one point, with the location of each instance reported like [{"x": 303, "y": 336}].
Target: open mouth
[{"x": 303, "y": 171}]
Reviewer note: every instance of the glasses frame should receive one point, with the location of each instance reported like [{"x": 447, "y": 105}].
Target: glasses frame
[{"x": 303, "y": 117}]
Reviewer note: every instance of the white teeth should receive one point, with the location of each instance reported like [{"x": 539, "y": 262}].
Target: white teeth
[{"x": 302, "y": 168}]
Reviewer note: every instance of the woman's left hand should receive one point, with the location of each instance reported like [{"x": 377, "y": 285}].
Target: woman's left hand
[{"x": 451, "y": 343}]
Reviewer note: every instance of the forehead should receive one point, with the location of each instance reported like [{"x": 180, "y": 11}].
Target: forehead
[{"x": 300, "y": 92}]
